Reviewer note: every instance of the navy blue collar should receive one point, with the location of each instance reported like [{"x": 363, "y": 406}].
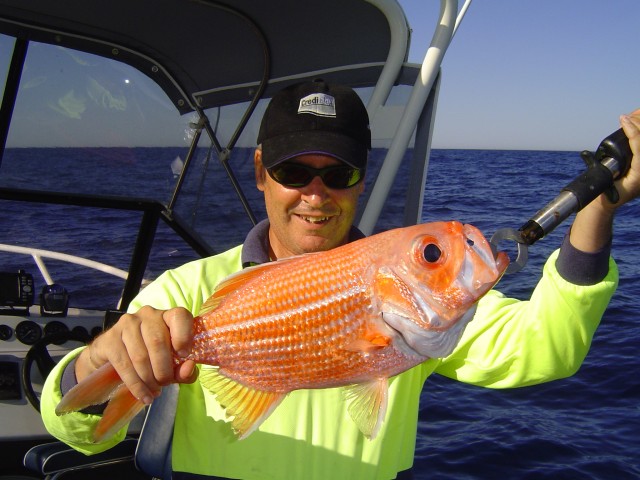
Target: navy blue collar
[{"x": 255, "y": 249}]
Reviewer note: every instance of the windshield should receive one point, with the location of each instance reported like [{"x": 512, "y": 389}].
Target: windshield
[{"x": 85, "y": 124}]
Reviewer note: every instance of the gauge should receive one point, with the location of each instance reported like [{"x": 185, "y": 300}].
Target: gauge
[
  {"x": 28, "y": 332},
  {"x": 95, "y": 331},
  {"x": 55, "y": 327},
  {"x": 5, "y": 332},
  {"x": 81, "y": 332}
]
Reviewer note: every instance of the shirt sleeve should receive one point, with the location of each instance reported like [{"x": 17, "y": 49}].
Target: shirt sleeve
[
  {"x": 582, "y": 268},
  {"x": 75, "y": 429},
  {"x": 512, "y": 343}
]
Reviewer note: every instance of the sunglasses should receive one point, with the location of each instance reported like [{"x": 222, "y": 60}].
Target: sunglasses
[{"x": 296, "y": 175}]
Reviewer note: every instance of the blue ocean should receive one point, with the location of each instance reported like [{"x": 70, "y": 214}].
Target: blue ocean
[{"x": 584, "y": 427}]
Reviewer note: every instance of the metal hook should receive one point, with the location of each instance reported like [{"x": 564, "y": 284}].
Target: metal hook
[{"x": 523, "y": 249}]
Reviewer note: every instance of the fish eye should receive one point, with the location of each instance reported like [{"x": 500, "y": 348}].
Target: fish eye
[{"x": 432, "y": 253}]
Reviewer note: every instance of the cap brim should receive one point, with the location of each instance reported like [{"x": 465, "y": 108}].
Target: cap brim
[{"x": 278, "y": 149}]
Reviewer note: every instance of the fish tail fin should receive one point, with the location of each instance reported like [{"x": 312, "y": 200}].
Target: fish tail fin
[
  {"x": 122, "y": 407},
  {"x": 103, "y": 385},
  {"x": 368, "y": 405},
  {"x": 248, "y": 407},
  {"x": 93, "y": 390}
]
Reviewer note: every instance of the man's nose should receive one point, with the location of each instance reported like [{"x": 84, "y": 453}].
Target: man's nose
[{"x": 316, "y": 192}]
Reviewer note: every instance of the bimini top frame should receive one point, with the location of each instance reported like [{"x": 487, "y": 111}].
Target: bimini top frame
[{"x": 206, "y": 53}]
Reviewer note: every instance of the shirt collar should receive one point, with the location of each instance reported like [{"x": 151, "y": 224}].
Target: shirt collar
[{"x": 255, "y": 249}]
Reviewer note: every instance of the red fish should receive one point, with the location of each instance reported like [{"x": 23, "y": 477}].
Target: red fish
[{"x": 351, "y": 316}]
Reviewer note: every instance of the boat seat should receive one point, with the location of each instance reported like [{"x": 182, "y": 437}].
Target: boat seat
[
  {"x": 151, "y": 453},
  {"x": 55, "y": 459}
]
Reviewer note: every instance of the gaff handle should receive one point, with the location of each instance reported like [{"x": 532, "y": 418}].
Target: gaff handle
[{"x": 610, "y": 161}]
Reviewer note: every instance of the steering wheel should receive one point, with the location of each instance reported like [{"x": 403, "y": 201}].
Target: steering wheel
[{"x": 39, "y": 354}]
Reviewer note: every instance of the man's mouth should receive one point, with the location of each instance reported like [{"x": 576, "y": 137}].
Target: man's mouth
[{"x": 315, "y": 220}]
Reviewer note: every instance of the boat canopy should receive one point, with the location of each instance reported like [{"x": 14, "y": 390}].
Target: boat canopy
[{"x": 205, "y": 53}]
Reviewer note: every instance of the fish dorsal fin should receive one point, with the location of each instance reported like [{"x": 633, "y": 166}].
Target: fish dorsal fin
[
  {"x": 368, "y": 405},
  {"x": 237, "y": 280},
  {"x": 248, "y": 407},
  {"x": 230, "y": 284}
]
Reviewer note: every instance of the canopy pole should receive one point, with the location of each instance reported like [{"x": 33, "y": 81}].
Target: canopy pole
[{"x": 419, "y": 94}]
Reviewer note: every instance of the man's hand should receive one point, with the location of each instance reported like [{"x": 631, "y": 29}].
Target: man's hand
[
  {"x": 593, "y": 226},
  {"x": 142, "y": 347}
]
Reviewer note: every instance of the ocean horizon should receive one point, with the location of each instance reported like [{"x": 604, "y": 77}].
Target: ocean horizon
[{"x": 586, "y": 426}]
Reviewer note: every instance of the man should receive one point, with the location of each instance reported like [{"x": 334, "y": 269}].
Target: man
[{"x": 310, "y": 163}]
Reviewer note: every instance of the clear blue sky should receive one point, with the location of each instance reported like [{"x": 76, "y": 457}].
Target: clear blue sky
[
  {"x": 534, "y": 74},
  {"x": 520, "y": 74}
]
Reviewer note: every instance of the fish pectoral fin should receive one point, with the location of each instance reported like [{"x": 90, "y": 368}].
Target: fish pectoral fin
[
  {"x": 368, "y": 405},
  {"x": 97, "y": 388},
  {"x": 370, "y": 343},
  {"x": 248, "y": 407},
  {"x": 120, "y": 410}
]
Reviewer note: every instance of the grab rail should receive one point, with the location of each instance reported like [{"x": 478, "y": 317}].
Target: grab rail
[
  {"x": 38, "y": 254},
  {"x": 152, "y": 211}
]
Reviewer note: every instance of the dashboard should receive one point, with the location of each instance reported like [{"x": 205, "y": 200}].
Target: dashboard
[{"x": 18, "y": 334}]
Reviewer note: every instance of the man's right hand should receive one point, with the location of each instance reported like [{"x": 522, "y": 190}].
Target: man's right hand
[{"x": 142, "y": 348}]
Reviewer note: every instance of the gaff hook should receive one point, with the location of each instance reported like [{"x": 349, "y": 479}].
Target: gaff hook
[
  {"x": 523, "y": 249},
  {"x": 610, "y": 161}
]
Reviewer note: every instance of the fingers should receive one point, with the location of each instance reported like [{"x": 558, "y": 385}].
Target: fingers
[
  {"x": 149, "y": 348},
  {"x": 186, "y": 372},
  {"x": 631, "y": 126},
  {"x": 629, "y": 186},
  {"x": 141, "y": 348},
  {"x": 180, "y": 323},
  {"x": 124, "y": 345}
]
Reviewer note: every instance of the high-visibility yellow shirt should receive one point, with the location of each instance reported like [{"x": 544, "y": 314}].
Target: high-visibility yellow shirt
[{"x": 509, "y": 343}]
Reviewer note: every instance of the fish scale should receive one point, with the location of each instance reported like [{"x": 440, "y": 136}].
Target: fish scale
[{"x": 352, "y": 316}]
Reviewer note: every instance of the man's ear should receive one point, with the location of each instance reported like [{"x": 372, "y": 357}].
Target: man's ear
[{"x": 260, "y": 171}]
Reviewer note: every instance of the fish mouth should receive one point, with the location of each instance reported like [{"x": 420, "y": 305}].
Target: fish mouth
[
  {"x": 427, "y": 343},
  {"x": 481, "y": 269}
]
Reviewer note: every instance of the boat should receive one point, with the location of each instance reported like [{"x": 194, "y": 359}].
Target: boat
[{"x": 92, "y": 85}]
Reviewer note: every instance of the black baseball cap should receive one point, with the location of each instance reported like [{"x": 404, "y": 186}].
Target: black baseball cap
[{"x": 315, "y": 118}]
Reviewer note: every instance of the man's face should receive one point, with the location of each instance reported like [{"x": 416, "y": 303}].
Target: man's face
[{"x": 310, "y": 218}]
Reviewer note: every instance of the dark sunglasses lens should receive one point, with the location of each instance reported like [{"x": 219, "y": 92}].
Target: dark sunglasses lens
[
  {"x": 291, "y": 175},
  {"x": 341, "y": 177},
  {"x": 296, "y": 176}
]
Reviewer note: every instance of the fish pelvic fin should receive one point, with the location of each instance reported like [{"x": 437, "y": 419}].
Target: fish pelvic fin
[
  {"x": 93, "y": 390},
  {"x": 248, "y": 407},
  {"x": 368, "y": 405},
  {"x": 120, "y": 410}
]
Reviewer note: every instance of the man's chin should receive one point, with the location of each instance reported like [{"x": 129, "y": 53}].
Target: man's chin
[
  {"x": 310, "y": 243},
  {"x": 314, "y": 245}
]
